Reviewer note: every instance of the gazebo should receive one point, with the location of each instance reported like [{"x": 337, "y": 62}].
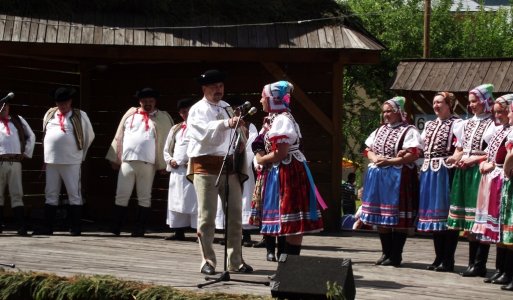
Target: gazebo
[{"x": 109, "y": 56}]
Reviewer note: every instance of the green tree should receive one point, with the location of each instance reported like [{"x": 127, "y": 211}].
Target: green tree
[{"x": 399, "y": 25}]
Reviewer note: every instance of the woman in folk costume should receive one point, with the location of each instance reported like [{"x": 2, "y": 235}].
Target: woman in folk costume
[
  {"x": 290, "y": 198},
  {"x": 435, "y": 181},
  {"x": 504, "y": 260},
  {"x": 390, "y": 193},
  {"x": 470, "y": 151},
  {"x": 486, "y": 225}
]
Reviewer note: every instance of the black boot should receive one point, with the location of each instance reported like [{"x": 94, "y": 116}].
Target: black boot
[
  {"x": 47, "y": 228},
  {"x": 438, "y": 242},
  {"x": 246, "y": 238},
  {"x": 270, "y": 246},
  {"x": 499, "y": 265},
  {"x": 507, "y": 268},
  {"x": 280, "y": 246},
  {"x": 396, "y": 256},
  {"x": 479, "y": 268},
  {"x": 179, "y": 235},
  {"x": 140, "y": 222},
  {"x": 450, "y": 244},
  {"x": 386, "y": 247},
  {"x": 75, "y": 212},
  {"x": 19, "y": 214},
  {"x": 117, "y": 222},
  {"x": 292, "y": 249},
  {"x": 260, "y": 244},
  {"x": 472, "y": 251}
]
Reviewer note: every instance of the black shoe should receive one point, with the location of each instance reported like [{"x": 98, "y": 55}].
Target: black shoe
[
  {"x": 221, "y": 242},
  {"x": 390, "y": 262},
  {"x": 42, "y": 232},
  {"x": 208, "y": 269},
  {"x": 247, "y": 243},
  {"x": 271, "y": 256},
  {"x": 434, "y": 265},
  {"x": 260, "y": 244},
  {"x": 503, "y": 279},
  {"x": 381, "y": 260},
  {"x": 494, "y": 276},
  {"x": 474, "y": 272},
  {"x": 175, "y": 237},
  {"x": 22, "y": 232},
  {"x": 445, "y": 268},
  {"x": 508, "y": 287},
  {"x": 75, "y": 233},
  {"x": 137, "y": 233},
  {"x": 245, "y": 268}
]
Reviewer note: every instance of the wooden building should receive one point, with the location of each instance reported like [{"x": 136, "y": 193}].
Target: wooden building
[
  {"x": 420, "y": 79},
  {"x": 108, "y": 57}
]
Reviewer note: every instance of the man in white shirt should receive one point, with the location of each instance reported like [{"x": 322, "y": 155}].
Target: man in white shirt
[
  {"x": 182, "y": 205},
  {"x": 137, "y": 151},
  {"x": 16, "y": 143},
  {"x": 210, "y": 126},
  {"x": 68, "y": 134}
]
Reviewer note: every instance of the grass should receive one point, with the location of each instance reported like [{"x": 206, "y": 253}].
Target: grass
[{"x": 44, "y": 286}]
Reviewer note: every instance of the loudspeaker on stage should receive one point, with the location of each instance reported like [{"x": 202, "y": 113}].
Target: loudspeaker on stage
[{"x": 306, "y": 277}]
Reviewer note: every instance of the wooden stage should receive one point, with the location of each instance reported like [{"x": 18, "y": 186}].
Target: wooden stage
[{"x": 154, "y": 260}]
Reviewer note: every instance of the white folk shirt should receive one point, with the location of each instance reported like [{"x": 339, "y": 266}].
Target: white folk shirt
[
  {"x": 138, "y": 141},
  {"x": 208, "y": 132},
  {"x": 10, "y": 143},
  {"x": 60, "y": 147}
]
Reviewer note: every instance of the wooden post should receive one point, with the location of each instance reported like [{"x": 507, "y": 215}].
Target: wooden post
[
  {"x": 427, "y": 21},
  {"x": 335, "y": 204}
]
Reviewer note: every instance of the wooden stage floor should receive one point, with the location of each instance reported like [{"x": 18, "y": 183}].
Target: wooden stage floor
[{"x": 154, "y": 260}]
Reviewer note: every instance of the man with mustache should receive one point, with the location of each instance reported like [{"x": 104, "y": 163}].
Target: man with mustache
[
  {"x": 211, "y": 123},
  {"x": 137, "y": 151}
]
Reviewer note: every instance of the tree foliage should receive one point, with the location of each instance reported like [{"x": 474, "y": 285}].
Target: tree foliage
[{"x": 399, "y": 25}]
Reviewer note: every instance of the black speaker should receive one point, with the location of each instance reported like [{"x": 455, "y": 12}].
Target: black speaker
[{"x": 306, "y": 277}]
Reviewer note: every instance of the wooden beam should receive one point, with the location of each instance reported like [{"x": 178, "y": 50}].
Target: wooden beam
[
  {"x": 336, "y": 152},
  {"x": 301, "y": 96}
]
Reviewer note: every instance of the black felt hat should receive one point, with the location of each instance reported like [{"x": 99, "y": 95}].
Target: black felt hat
[
  {"x": 185, "y": 103},
  {"x": 147, "y": 92},
  {"x": 64, "y": 93},
  {"x": 211, "y": 76}
]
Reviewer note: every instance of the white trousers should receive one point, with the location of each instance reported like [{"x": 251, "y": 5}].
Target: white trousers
[
  {"x": 10, "y": 174},
  {"x": 55, "y": 175},
  {"x": 136, "y": 173},
  {"x": 181, "y": 220},
  {"x": 207, "y": 194}
]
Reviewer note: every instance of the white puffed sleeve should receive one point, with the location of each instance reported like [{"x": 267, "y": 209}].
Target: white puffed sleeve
[
  {"x": 370, "y": 139},
  {"x": 284, "y": 130},
  {"x": 458, "y": 132},
  {"x": 412, "y": 139}
]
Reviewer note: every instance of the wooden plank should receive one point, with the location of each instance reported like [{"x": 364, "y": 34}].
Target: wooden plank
[
  {"x": 460, "y": 76},
  {"x": 98, "y": 29},
  {"x": 330, "y": 37},
  {"x": 438, "y": 83},
  {"x": 76, "y": 29},
  {"x": 448, "y": 84},
  {"x": 302, "y": 32},
  {"x": 468, "y": 82},
  {"x": 243, "y": 37},
  {"x": 3, "y": 19},
  {"x": 41, "y": 30},
  {"x": 8, "y": 29},
  {"x": 282, "y": 36},
  {"x": 107, "y": 35},
  {"x": 126, "y": 21},
  {"x": 501, "y": 76},
  {"x": 508, "y": 80},
  {"x": 271, "y": 36},
  {"x": 204, "y": 37},
  {"x": 252, "y": 37},
  {"x": 25, "y": 29},
  {"x": 493, "y": 73},
  {"x": 16, "y": 32},
  {"x": 63, "y": 32},
  {"x": 34, "y": 26},
  {"x": 217, "y": 37},
  {"x": 481, "y": 72},
  {"x": 412, "y": 77},
  {"x": 302, "y": 98},
  {"x": 312, "y": 36},
  {"x": 231, "y": 37},
  {"x": 421, "y": 78},
  {"x": 159, "y": 34},
  {"x": 323, "y": 40},
  {"x": 139, "y": 34},
  {"x": 51, "y": 31},
  {"x": 87, "y": 36}
]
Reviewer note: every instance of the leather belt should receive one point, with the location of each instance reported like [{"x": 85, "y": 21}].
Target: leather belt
[
  {"x": 210, "y": 164},
  {"x": 11, "y": 157}
]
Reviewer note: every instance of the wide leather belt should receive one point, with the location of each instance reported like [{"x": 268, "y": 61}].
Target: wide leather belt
[
  {"x": 210, "y": 164},
  {"x": 11, "y": 157}
]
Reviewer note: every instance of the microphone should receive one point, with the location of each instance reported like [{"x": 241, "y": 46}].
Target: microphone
[
  {"x": 250, "y": 112},
  {"x": 244, "y": 106},
  {"x": 7, "y": 98}
]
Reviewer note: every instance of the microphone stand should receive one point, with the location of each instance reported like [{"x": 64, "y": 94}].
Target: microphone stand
[{"x": 225, "y": 275}]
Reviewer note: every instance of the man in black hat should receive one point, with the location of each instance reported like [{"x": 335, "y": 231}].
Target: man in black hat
[
  {"x": 211, "y": 122},
  {"x": 16, "y": 143},
  {"x": 182, "y": 204},
  {"x": 137, "y": 151},
  {"x": 68, "y": 134}
]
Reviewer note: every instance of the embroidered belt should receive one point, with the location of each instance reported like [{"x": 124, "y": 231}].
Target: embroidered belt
[
  {"x": 11, "y": 157},
  {"x": 210, "y": 164}
]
